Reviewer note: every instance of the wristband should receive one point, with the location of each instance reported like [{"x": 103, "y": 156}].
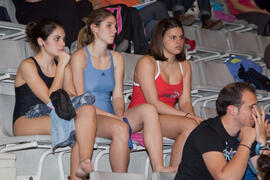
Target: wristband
[
  {"x": 257, "y": 148},
  {"x": 245, "y": 146},
  {"x": 130, "y": 132},
  {"x": 265, "y": 147}
]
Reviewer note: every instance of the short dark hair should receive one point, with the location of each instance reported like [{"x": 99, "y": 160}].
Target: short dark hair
[
  {"x": 155, "y": 48},
  {"x": 232, "y": 95},
  {"x": 42, "y": 28}
]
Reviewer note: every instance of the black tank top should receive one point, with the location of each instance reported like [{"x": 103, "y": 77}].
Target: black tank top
[{"x": 25, "y": 98}]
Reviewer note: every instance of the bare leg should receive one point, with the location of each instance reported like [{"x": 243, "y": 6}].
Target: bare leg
[
  {"x": 85, "y": 124},
  {"x": 24, "y": 126},
  {"x": 118, "y": 131},
  {"x": 177, "y": 128},
  {"x": 146, "y": 117}
]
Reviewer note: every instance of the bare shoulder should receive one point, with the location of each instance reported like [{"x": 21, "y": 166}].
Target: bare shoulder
[
  {"x": 186, "y": 66},
  {"x": 27, "y": 64},
  {"x": 118, "y": 59},
  {"x": 117, "y": 55},
  {"x": 186, "y": 63},
  {"x": 80, "y": 53},
  {"x": 26, "y": 70},
  {"x": 79, "y": 57},
  {"x": 146, "y": 62}
]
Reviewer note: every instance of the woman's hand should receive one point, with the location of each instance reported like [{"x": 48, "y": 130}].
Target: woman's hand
[
  {"x": 63, "y": 58},
  {"x": 197, "y": 119},
  {"x": 264, "y": 11}
]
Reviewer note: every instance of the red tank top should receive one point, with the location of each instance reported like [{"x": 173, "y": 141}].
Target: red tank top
[
  {"x": 234, "y": 11},
  {"x": 167, "y": 93}
]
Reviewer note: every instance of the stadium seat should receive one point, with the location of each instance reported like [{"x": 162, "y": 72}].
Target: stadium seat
[
  {"x": 163, "y": 176},
  {"x": 97, "y": 175}
]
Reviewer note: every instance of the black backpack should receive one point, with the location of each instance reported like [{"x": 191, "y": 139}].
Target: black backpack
[{"x": 254, "y": 77}]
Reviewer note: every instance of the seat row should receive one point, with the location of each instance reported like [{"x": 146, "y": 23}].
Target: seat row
[
  {"x": 36, "y": 149},
  {"x": 218, "y": 45},
  {"x": 207, "y": 80}
]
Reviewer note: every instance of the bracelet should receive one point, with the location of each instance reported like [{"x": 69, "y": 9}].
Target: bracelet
[
  {"x": 186, "y": 115},
  {"x": 245, "y": 146}
]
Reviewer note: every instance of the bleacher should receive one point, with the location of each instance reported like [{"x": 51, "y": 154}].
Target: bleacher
[{"x": 31, "y": 157}]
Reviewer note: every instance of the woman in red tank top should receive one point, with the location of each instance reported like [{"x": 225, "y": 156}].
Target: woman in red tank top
[{"x": 162, "y": 78}]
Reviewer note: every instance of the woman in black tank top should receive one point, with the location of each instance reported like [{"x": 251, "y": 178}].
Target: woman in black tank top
[{"x": 39, "y": 76}]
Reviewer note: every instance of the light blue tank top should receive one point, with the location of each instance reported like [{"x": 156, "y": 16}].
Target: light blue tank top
[{"x": 100, "y": 83}]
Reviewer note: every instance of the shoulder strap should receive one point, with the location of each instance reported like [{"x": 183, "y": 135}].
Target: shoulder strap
[
  {"x": 181, "y": 68},
  {"x": 37, "y": 65},
  {"x": 158, "y": 68}
]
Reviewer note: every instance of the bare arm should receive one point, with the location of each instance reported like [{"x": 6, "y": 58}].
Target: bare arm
[
  {"x": 145, "y": 76},
  {"x": 243, "y": 8},
  {"x": 184, "y": 100},
  {"x": 63, "y": 60},
  {"x": 68, "y": 82},
  {"x": 220, "y": 169},
  {"x": 78, "y": 64},
  {"x": 117, "y": 94},
  {"x": 29, "y": 73}
]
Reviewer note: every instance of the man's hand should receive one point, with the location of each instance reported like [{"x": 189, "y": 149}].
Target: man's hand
[
  {"x": 260, "y": 124},
  {"x": 247, "y": 135}
]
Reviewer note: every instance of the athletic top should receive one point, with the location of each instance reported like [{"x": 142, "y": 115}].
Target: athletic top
[
  {"x": 100, "y": 83},
  {"x": 167, "y": 93}
]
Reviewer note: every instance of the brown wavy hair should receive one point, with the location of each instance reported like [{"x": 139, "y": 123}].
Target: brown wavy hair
[{"x": 86, "y": 36}]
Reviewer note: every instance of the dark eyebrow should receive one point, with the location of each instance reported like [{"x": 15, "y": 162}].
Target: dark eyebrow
[
  {"x": 254, "y": 104},
  {"x": 56, "y": 35}
]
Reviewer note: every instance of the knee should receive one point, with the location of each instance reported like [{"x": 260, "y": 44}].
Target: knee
[
  {"x": 148, "y": 109},
  {"x": 149, "y": 112},
  {"x": 86, "y": 111},
  {"x": 191, "y": 126},
  {"x": 120, "y": 133}
]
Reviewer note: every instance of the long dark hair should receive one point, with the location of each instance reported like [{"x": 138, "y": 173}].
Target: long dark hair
[
  {"x": 155, "y": 48},
  {"x": 86, "y": 36},
  {"x": 40, "y": 29}
]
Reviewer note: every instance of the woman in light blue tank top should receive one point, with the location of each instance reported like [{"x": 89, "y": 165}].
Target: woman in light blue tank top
[
  {"x": 100, "y": 71},
  {"x": 100, "y": 83}
]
